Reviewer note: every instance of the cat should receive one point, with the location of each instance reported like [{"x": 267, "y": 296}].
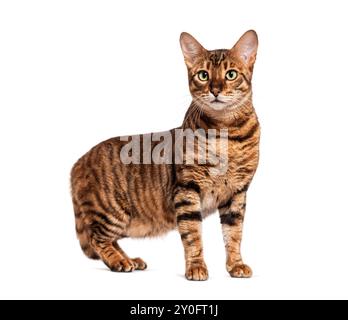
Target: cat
[{"x": 113, "y": 200}]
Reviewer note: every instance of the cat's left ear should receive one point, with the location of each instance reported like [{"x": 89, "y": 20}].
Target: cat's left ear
[{"x": 246, "y": 48}]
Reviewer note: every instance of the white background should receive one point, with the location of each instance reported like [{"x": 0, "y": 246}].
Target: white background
[{"x": 73, "y": 73}]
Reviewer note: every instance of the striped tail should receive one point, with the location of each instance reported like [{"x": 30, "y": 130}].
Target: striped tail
[{"x": 83, "y": 236}]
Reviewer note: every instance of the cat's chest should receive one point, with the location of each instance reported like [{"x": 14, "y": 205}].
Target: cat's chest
[
  {"x": 216, "y": 191},
  {"x": 223, "y": 181}
]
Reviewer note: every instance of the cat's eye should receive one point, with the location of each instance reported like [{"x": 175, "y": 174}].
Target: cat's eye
[
  {"x": 231, "y": 75},
  {"x": 203, "y": 75}
]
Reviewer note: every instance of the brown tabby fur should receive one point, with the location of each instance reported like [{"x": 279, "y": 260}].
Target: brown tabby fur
[{"x": 113, "y": 200}]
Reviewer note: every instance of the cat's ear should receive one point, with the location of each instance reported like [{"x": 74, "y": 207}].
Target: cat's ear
[
  {"x": 246, "y": 48},
  {"x": 191, "y": 48}
]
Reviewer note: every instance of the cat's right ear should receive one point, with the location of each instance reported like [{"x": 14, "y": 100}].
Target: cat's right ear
[{"x": 191, "y": 48}]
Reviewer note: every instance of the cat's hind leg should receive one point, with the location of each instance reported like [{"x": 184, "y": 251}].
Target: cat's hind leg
[
  {"x": 139, "y": 264},
  {"x": 105, "y": 231},
  {"x": 114, "y": 258}
]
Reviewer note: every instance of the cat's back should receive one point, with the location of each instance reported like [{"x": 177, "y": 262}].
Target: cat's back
[{"x": 93, "y": 163}]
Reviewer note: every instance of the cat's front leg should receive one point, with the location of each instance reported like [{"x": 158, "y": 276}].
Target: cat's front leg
[
  {"x": 189, "y": 221},
  {"x": 232, "y": 216}
]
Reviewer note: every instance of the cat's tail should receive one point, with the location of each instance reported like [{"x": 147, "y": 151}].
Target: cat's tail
[
  {"x": 81, "y": 223},
  {"x": 83, "y": 235}
]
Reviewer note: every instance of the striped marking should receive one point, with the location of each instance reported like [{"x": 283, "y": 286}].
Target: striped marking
[
  {"x": 191, "y": 185},
  {"x": 245, "y": 136},
  {"x": 231, "y": 218},
  {"x": 182, "y": 204},
  {"x": 192, "y": 216},
  {"x": 226, "y": 204}
]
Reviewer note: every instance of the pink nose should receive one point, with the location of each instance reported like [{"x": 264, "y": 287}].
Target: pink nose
[{"x": 215, "y": 92}]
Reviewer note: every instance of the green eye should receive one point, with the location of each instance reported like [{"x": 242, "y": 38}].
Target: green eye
[
  {"x": 231, "y": 75},
  {"x": 203, "y": 75}
]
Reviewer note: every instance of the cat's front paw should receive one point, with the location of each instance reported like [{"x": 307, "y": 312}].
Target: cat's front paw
[
  {"x": 240, "y": 271},
  {"x": 197, "y": 272}
]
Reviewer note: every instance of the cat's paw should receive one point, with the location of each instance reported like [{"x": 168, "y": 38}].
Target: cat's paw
[
  {"x": 139, "y": 263},
  {"x": 123, "y": 265},
  {"x": 197, "y": 272},
  {"x": 240, "y": 271}
]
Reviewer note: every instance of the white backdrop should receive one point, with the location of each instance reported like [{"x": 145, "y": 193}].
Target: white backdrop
[{"x": 73, "y": 73}]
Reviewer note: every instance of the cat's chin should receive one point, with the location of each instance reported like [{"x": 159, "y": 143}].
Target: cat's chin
[
  {"x": 218, "y": 106},
  {"x": 221, "y": 106},
  {"x": 214, "y": 105}
]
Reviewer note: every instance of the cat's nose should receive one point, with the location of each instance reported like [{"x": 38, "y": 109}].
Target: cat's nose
[{"x": 215, "y": 91}]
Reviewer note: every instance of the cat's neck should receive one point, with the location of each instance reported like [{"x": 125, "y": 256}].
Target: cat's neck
[{"x": 202, "y": 117}]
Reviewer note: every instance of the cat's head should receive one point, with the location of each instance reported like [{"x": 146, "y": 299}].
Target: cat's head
[{"x": 220, "y": 79}]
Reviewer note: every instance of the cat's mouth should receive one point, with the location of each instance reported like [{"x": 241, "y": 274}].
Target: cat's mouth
[
  {"x": 216, "y": 100},
  {"x": 216, "y": 103}
]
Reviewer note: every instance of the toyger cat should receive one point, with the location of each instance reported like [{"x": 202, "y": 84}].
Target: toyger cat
[{"x": 113, "y": 200}]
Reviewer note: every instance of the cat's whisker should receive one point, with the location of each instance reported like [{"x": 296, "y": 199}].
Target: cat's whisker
[{"x": 190, "y": 112}]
